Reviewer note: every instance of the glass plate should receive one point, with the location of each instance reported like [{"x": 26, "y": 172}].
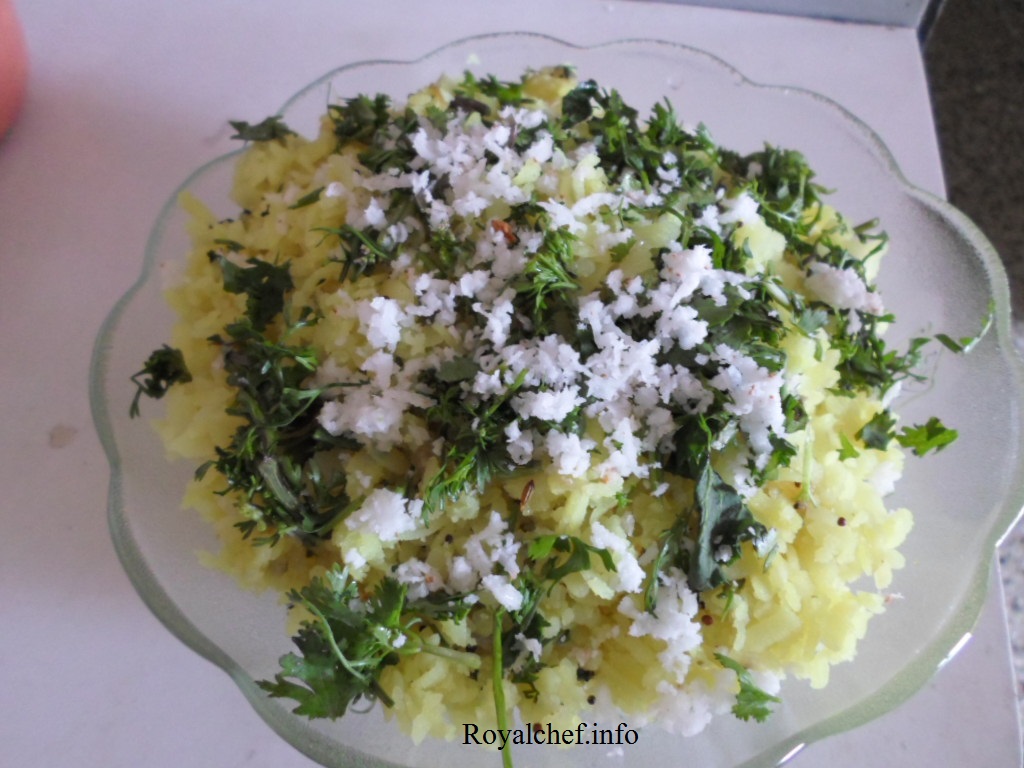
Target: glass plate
[{"x": 939, "y": 276}]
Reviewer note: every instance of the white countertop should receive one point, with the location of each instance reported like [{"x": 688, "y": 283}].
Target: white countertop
[{"x": 125, "y": 98}]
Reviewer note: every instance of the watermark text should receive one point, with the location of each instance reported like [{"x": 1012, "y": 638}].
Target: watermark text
[{"x": 547, "y": 734}]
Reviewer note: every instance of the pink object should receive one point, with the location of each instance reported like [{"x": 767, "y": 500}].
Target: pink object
[{"x": 13, "y": 66}]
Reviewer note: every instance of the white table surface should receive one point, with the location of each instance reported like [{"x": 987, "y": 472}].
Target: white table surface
[{"x": 125, "y": 98}]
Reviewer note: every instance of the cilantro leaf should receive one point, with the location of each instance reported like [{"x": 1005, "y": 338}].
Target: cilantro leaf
[
  {"x": 576, "y": 104},
  {"x": 847, "y": 450},
  {"x": 458, "y": 369},
  {"x": 163, "y": 367},
  {"x": 809, "y": 320},
  {"x": 342, "y": 655},
  {"x": 321, "y": 693},
  {"x": 878, "y": 432},
  {"x": 577, "y": 556},
  {"x": 269, "y": 129},
  {"x": 930, "y": 436},
  {"x": 347, "y": 644},
  {"x": 751, "y": 701},
  {"x": 264, "y": 285}
]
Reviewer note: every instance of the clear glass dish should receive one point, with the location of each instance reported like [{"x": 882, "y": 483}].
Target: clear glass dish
[{"x": 939, "y": 276}]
